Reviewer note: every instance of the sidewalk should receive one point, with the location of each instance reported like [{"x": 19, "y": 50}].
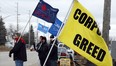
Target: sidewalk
[
  {"x": 36, "y": 64},
  {"x": 32, "y": 59}
]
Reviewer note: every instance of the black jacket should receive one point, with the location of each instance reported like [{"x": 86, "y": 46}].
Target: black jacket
[
  {"x": 19, "y": 51},
  {"x": 54, "y": 52},
  {"x": 43, "y": 51}
]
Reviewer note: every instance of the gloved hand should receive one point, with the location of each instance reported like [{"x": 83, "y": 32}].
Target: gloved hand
[{"x": 10, "y": 54}]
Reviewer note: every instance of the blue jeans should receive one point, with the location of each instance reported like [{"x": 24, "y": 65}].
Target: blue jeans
[{"x": 18, "y": 62}]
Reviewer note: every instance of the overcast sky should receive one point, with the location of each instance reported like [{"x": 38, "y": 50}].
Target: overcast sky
[{"x": 9, "y": 8}]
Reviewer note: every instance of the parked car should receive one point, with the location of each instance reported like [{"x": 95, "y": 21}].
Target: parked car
[
  {"x": 66, "y": 51},
  {"x": 65, "y": 55},
  {"x": 62, "y": 52}
]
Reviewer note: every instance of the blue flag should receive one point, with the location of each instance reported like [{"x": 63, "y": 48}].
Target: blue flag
[
  {"x": 45, "y": 12},
  {"x": 55, "y": 27},
  {"x": 42, "y": 28}
]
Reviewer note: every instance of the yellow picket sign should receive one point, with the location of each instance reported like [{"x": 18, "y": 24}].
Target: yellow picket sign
[{"x": 82, "y": 34}]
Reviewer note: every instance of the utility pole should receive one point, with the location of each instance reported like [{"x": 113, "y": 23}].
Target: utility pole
[
  {"x": 0, "y": 12},
  {"x": 0, "y": 18},
  {"x": 106, "y": 20},
  {"x": 0, "y": 15},
  {"x": 17, "y": 19}
]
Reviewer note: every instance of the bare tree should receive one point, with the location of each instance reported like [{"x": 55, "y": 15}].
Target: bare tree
[{"x": 10, "y": 30}]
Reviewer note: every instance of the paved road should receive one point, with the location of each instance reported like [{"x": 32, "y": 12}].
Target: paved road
[{"x": 32, "y": 58}]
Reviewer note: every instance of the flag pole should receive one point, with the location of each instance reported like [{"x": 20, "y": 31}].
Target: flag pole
[
  {"x": 24, "y": 28},
  {"x": 58, "y": 33}
]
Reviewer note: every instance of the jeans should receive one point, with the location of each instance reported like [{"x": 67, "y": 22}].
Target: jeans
[{"x": 18, "y": 62}]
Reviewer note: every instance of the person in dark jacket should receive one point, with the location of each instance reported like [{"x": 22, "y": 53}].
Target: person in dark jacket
[
  {"x": 42, "y": 49},
  {"x": 19, "y": 50},
  {"x": 39, "y": 44},
  {"x": 54, "y": 53}
]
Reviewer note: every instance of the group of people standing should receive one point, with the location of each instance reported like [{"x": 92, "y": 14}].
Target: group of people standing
[{"x": 42, "y": 48}]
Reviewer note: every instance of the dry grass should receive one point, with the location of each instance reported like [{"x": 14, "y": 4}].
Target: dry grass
[{"x": 3, "y": 48}]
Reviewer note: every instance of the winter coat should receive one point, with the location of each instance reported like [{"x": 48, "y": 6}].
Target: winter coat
[
  {"x": 19, "y": 50},
  {"x": 54, "y": 52},
  {"x": 43, "y": 50}
]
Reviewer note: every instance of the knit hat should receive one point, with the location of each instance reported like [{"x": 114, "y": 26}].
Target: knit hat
[{"x": 51, "y": 36}]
